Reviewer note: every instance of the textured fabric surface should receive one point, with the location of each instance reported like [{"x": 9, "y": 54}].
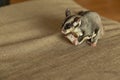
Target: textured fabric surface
[{"x": 32, "y": 47}]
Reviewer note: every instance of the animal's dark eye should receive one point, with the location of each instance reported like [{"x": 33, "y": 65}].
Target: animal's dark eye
[{"x": 67, "y": 26}]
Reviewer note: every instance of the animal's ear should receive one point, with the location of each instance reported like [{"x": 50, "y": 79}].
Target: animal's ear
[
  {"x": 77, "y": 19},
  {"x": 67, "y": 12}
]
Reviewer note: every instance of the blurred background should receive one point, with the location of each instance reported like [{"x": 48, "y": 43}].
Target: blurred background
[{"x": 106, "y": 8}]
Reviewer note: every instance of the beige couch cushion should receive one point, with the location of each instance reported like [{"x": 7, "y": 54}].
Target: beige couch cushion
[{"x": 32, "y": 47}]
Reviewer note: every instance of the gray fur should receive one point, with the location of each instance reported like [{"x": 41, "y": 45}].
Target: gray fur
[{"x": 91, "y": 23}]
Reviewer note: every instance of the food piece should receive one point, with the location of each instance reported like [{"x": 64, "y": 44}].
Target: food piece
[{"x": 72, "y": 39}]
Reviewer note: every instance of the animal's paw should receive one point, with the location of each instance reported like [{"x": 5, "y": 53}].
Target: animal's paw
[
  {"x": 93, "y": 44},
  {"x": 75, "y": 41}
]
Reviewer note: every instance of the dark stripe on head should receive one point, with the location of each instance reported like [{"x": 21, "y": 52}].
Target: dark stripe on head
[{"x": 68, "y": 18}]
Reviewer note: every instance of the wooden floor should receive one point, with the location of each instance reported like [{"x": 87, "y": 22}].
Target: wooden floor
[
  {"x": 107, "y": 8},
  {"x": 16, "y": 1}
]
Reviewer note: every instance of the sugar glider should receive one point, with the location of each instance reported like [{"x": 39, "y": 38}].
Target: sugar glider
[{"x": 87, "y": 24}]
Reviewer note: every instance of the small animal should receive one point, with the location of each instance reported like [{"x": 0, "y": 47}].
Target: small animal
[{"x": 87, "y": 25}]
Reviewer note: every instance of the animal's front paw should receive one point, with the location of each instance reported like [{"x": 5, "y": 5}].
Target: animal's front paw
[
  {"x": 75, "y": 41},
  {"x": 93, "y": 44}
]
